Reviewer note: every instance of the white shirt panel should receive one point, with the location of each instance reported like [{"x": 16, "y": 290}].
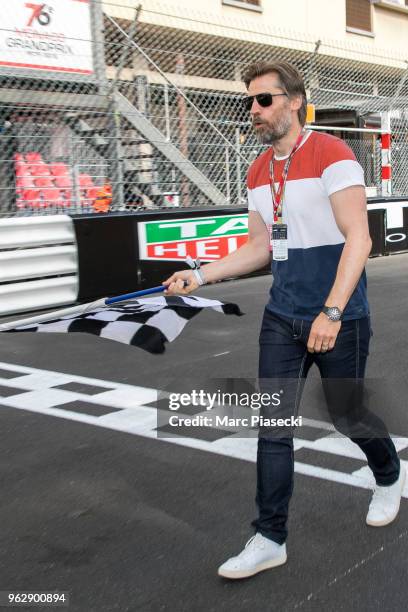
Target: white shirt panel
[
  {"x": 342, "y": 174},
  {"x": 306, "y": 210}
]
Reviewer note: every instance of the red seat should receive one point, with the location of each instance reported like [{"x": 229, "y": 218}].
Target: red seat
[
  {"x": 52, "y": 196},
  {"x": 18, "y": 157},
  {"x": 39, "y": 170},
  {"x": 59, "y": 169},
  {"x": 22, "y": 169},
  {"x": 88, "y": 196},
  {"x": 32, "y": 198},
  {"x": 44, "y": 181},
  {"x": 68, "y": 197},
  {"x": 25, "y": 182},
  {"x": 63, "y": 181},
  {"x": 92, "y": 192},
  {"x": 33, "y": 157},
  {"x": 85, "y": 181}
]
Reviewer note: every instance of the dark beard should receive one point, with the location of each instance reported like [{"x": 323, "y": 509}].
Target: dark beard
[{"x": 269, "y": 135}]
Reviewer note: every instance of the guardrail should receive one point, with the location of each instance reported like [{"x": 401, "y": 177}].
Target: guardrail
[{"x": 38, "y": 263}]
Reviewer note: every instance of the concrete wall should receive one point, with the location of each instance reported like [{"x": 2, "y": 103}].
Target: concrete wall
[{"x": 303, "y": 20}]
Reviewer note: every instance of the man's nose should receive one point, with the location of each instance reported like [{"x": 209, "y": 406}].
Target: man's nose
[{"x": 255, "y": 108}]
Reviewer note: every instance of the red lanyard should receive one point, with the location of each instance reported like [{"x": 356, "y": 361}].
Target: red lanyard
[{"x": 277, "y": 194}]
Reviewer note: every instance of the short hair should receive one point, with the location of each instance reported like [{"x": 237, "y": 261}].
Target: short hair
[{"x": 290, "y": 79}]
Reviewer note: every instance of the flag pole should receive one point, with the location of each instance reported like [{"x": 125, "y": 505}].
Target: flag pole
[{"x": 80, "y": 308}]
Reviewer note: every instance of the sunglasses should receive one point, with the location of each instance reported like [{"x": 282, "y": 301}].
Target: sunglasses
[{"x": 263, "y": 99}]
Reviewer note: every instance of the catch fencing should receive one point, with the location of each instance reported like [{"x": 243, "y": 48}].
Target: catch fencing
[{"x": 158, "y": 121}]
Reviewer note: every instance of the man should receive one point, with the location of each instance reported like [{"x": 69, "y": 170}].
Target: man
[{"x": 307, "y": 205}]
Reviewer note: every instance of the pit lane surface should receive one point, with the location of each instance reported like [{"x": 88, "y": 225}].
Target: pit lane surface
[{"x": 126, "y": 522}]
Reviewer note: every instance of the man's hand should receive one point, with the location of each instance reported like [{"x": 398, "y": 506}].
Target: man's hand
[
  {"x": 175, "y": 283},
  {"x": 323, "y": 334},
  {"x": 251, "y": 256}
]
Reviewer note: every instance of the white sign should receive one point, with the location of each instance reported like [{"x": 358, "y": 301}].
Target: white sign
[
  {"x": 394, "y": 217},
  {"x": 53, "y": 35}
]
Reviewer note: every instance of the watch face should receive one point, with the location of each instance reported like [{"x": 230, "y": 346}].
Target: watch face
[{"x": 333, "y": 313}]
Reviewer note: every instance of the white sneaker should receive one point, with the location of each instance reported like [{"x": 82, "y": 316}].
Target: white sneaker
[
  {"x": 259, "y": 554},
  {"x": 385, "y": 502}
]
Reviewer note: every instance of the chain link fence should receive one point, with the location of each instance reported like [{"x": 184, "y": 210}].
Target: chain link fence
[{"x": 160, "y": 123}]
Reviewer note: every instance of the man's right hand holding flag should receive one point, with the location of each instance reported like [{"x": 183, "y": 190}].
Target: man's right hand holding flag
[{"x": 253, "y": 255}]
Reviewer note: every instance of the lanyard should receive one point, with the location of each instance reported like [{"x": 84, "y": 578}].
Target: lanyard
[{"x": 277, "y": 194}]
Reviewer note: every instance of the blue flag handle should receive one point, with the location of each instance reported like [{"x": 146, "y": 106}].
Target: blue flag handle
[{"x": 135, "y": 294}]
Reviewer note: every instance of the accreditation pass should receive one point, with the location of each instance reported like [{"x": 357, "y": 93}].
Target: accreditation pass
[{"x": 279, "y": 242}]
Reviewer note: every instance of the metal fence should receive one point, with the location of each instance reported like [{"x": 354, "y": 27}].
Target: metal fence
[{"x": 161, "y": 123}]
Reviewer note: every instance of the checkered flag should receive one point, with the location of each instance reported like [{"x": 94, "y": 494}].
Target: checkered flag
[{"x": 147, "y": 323}]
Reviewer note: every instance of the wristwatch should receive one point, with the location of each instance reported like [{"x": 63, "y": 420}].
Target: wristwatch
[{"x": 333, "y": 313}]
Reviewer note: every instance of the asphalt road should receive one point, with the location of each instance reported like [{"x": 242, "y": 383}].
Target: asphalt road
[{"x": 126, "y": 522}]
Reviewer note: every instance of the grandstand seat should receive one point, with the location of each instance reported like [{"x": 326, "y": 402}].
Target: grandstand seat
[
  {"x": 44, "y": 181},
  {"x": 88, "y": 196},
  {"x": 32, "y": 198},
  {"x": 24, "y": 182},
  {"x": 68, "y": 196},
  {"x": 92, "y": 192},
  {"x": 22, "y": 169},
  {"x": 59, "y": 169},
  {"x": 52, "y": 197},
  {"x": 63, "y": 181},
  {"x": 39, "y": 170},
  {"x": 33, "y": 157},
  {"x": 85, "y": 181}
]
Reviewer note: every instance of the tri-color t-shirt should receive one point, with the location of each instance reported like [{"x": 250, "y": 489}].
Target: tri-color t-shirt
[{"x": 322, "y": 165}]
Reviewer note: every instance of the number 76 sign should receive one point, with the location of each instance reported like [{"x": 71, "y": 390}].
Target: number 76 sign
[{"x": 53, "y": 36}]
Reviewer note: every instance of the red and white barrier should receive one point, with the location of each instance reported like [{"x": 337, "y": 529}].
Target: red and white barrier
[{"x": 386, "y": 172}]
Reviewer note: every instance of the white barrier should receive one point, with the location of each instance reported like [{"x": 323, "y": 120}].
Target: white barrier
[
  {"x": 28, "y": 250},
  {"x": 36, "y": 263}
]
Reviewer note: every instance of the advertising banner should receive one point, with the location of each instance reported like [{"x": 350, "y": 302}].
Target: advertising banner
[
  {"x": 118, "y": 253},
  {"x": 208, "y": 238},
  {"x": 54, "y": 36},
  {"x": 396, "y": 224}
]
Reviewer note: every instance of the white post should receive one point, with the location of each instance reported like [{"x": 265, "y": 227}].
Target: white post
[
  {"x": 167, "y": 111},
  {"x": 239, "y": 177},
  {"x": 227, "y": 174}
]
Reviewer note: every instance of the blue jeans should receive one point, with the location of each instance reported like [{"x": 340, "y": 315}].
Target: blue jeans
[{"x": 284, "y": 355}]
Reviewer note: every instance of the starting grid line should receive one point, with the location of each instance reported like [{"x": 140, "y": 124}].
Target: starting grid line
[{"x": 131, "y": 409}]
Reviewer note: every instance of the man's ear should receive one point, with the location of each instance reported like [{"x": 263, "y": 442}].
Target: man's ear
[{"x": 296, "y": 103}]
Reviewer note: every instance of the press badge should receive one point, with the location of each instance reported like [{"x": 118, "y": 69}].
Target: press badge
[{"x": 279, "y": 242}]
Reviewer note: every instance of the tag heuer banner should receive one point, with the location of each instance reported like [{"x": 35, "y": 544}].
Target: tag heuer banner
[
  {"x": 208, "y": 238},
  {"x": 53, "y": 35}
]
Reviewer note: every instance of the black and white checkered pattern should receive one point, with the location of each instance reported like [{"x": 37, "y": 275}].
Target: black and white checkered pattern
[
  {"x": 319, "y": 453},
  {"x": 147, "y": 323}
]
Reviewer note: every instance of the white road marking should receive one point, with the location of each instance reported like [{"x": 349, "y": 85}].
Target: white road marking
[
  {"x": 219, "y": 354},
  {"x": 133, "y": 417},
  {"x": 351, "y": 569}
]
